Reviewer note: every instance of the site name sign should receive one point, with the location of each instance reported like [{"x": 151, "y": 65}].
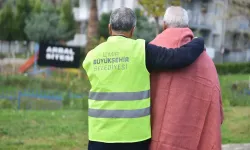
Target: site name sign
[{"x": 58, "y": 56}]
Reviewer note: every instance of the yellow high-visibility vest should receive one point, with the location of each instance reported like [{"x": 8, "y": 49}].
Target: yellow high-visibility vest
[{"x": 119, "y": 99}]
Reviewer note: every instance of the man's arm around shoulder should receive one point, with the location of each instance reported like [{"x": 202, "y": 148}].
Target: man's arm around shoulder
[{"x": 160, "y": 58}]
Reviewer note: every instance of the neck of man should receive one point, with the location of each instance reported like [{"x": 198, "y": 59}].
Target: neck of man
[{"x": 124, "y": 34}]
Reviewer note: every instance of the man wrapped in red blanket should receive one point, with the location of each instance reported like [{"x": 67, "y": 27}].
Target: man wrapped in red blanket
[{"x": 186, "y": 103}]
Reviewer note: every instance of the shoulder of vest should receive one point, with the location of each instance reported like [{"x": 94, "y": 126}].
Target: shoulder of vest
[
  {"x": 141, "y": 41},
  {"x": 100, "y": 45}
]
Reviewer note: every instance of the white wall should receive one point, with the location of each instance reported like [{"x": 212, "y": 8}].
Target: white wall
[
  {"x": 15, "y": 47},
  {"x": 82, "y": 13},
  {"x": 104, "y": 6}
]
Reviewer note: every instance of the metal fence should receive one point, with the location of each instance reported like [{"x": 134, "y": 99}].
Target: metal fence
[{"x": 28, "y": 99}]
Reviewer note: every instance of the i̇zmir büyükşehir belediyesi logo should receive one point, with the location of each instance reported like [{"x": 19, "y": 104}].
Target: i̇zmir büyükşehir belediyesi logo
[{"x": 60, "y": 53}]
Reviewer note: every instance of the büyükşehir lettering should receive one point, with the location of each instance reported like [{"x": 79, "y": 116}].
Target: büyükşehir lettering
[
  {"x": 111, "y": 60},
  {"x": 105, "y": 64}
]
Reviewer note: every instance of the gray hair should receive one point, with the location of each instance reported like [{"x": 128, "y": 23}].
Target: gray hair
[
  {"x": 122, "y": 19},
  {"x": 176, "y": 17}
]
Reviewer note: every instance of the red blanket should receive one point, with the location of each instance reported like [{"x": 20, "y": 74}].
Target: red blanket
[{"x": 186, "y": 103}]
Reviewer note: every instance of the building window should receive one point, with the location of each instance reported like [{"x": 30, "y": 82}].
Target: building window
[
  {"x": 122, "y": 3},
  {"x": 116, "y": 4},
  {"x": 238, "y": 41},
  {"x": 215, "y": 42},
  {"x": 246, "y": 41},
  {"x": 104, "y": 6}
]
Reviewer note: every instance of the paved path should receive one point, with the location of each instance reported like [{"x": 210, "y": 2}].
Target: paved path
[
  {"x": 10, "y": 69},
  {"x": 236, "y": 147}
]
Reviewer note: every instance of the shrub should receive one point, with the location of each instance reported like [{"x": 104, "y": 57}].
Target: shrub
[
  {"x": 6, "y": 104},
  {"x": 144, "y": 28},
  {"x": 233, "y": 68},
  {"x": 66, "y": 100},
  {"x": 39, "y": 104},
  {"x": 232, "y": 90},
  {"x": 50, "y": 84},
  {"x": 2, "y": 56},
  {"x": 103, "y": 25}
]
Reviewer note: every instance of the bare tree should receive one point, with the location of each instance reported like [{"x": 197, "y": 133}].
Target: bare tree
[{"x": 92, "y": 34}]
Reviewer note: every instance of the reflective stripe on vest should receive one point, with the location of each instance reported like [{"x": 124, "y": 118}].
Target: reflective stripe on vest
[
  {"x": 119, "y": 96},
  {"x": 98, "y": 113}
]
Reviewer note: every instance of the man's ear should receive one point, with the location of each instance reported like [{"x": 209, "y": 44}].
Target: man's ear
[
  {"x": 110, "y": 29},
  {"x": 164, "y": 25},
  {"x": 132, "y": 32}
]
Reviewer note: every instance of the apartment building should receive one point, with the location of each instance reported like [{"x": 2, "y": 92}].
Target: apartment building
[
  {"x": 81, "y": 15},
  {"x": 207, "y": 19},
  {"x": 200, "y": 19}
]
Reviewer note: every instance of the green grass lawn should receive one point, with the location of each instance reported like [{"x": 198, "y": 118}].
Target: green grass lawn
[
  {"x": 67, "y": 129},
  {"x": 43, "y": 130},
  {"x": 236, "y": 126},
  {"x": 232, "y": 98}
]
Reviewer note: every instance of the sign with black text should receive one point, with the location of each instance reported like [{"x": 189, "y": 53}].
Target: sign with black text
[{"x": 58, "y": 56}]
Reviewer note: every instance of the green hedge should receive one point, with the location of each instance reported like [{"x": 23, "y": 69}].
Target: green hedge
[
  {"x": 233, "y": 68},
  {"x": 2, "y": 56}
]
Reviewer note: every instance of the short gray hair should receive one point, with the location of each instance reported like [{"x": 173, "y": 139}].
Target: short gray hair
[
  {"x": 176, "y": 17},
  {"x": 122, "y": 19}
]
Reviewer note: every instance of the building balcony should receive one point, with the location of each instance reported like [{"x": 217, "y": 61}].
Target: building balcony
[
  {"x": 81, "y": 14},
  {"x": 238, "y": 24},
  {"x": 200, "y": 21},
  {"x": 79, "y": 40}
]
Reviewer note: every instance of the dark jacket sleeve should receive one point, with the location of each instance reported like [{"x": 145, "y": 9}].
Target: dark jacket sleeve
[{"x": 160, "y": 58}]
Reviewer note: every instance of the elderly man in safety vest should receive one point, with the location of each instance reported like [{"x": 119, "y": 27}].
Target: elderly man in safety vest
[
  {"x": 118, "y": 70},
  {"x": 186, "y": 103}
]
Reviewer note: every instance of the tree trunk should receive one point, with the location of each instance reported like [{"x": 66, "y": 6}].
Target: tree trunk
[
  {"x": 13, "y": 52},
  {"x": 157, "y": 29},
  {"x": 92, "y": 33},
  {"x": 27, "y": 49},
  {"x": 9, "y": 47},
  {"x": 54, "y": 2},
  {"x": 1, "y": 46},
  {"x": 10, "y": 56}
]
